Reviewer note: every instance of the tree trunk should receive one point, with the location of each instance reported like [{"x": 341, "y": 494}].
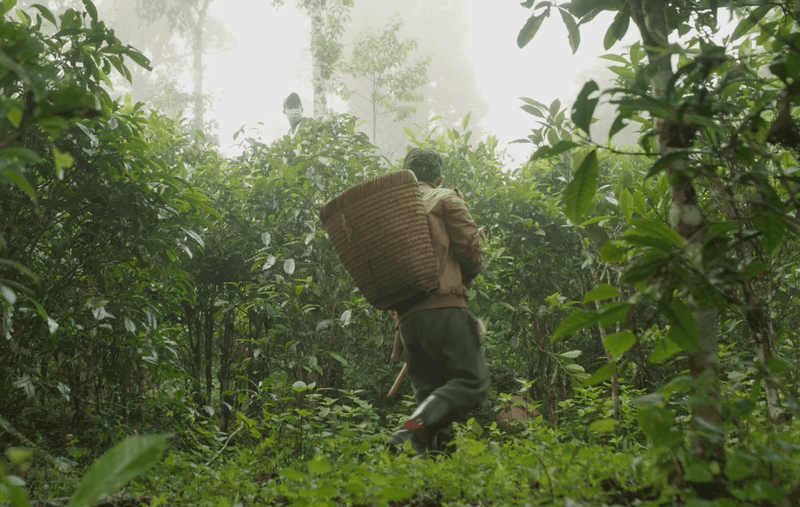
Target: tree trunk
[
  {"x": 319, "y": 72},
  {"x": 761, "y": 332},
  {"x": 209, "y": 348},
  {"x": 197, "y": 65},
  {"x": 686, "y": 218},
  {"x": 194, "y": 333},
  {"x": 225, "y": 377}
]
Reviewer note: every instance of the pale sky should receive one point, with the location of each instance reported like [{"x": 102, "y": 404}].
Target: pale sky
[{"x": 250, "y": 81}]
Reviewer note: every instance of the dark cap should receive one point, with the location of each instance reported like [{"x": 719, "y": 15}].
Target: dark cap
[
  {"x": 425, "y": 164},
  {"x": 292, "y": 101}
]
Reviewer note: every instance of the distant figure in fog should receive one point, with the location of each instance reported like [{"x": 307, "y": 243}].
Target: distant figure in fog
[{"x": 293, "y": 109}]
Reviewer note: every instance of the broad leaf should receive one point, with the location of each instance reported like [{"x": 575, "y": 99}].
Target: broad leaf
[
  {"x": 749, "y": 21},
  {"x": 531, "y": 27},
  {"x": 772, "y": 229},
  {"x": 574, "y": 33},
  {"x": 683, "y": 330},
  {"x": 617, "y": 30},
  {"x": 579, "y": 193},
  {"x": 578, "y": 320},
  {"x": 556, "y": 149},
  {"x": 602, "y": 291},
  {"x": 645, "y": 267},
  {"x": 664, "y": 349},
  {"x": 583, "y": 109},
  {"x": 625, "y": 203},
  {"x": 601, "y": 375},
  {"x": 619, "y": 343},
  {"x": 656, "y": 229},
  {"x": 129, "y": 458}
]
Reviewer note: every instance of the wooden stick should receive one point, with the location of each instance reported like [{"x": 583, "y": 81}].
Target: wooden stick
[
  {"x": 398, "y": 381},
  {"x": 397, "y": 348}
]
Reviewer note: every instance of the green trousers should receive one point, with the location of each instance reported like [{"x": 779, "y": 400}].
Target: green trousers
[{"x": 446, "y": 362}]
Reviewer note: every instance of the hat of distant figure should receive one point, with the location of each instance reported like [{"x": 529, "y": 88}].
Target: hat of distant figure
[
  {"x": 425, "y": 164},
  {"x": 292, "y": 101}
]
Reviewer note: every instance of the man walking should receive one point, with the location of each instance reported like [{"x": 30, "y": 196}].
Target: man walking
[{"x": 440, "y": 335}]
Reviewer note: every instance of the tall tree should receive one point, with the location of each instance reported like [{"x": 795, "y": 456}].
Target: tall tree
[
  {"x": 388, "y": 86},
  {"x": 189, "y": 20},
  {"x": 719, "y": 126},
  {"x": 327, "y": 25}
]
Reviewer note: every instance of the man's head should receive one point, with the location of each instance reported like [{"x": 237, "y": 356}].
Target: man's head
[
  {"x": 293, "y": 109},
  {"x": 425, "y": 164}
]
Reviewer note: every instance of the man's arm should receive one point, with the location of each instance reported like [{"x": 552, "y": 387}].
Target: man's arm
[{"x": 465, "y": 242}]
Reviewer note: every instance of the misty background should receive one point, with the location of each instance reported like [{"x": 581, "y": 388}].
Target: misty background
[{"x": 254, "y": 54}]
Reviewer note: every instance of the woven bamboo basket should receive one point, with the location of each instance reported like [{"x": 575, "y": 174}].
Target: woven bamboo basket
[{"x": 380, "y": 232}]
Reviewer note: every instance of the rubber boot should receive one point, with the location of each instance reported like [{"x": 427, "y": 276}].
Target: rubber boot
[{"x": 422, "y": 426}]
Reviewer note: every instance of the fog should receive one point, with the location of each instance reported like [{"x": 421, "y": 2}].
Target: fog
[{"x": 255, "y": 55}]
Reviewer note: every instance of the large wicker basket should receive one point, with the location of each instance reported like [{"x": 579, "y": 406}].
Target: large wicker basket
[{"x": 380, "y": 232}]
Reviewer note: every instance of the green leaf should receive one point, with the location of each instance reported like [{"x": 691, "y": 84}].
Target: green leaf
[
  {"x": 625, "y": 203},
  {"x": 338, "y": 357},
  {"x": 601, "y": 375},
  {"x": 318, "y": 467},
  {"x": 640, "y": 204},
  {"x": 19, "y": 180},
  {"x": 619, "y": 343},
  {"x": 772, "y": 228},
  {"x": 721, "y": 229},
  {"x": 663, "y": 162},
  {"x": 556, "y": 149},
  {"x": 755, "y": 268},
  {"x": 697, "y": 472},
  {"x": 615, "y": 58},
  {"x": 583, "y": 108},
  {"x": 7, "y": 5},
  {"x": 603, "y": 426},
  {"x": 611, "y": 313},
  {"x": 602, "y": 291},
  {"x": 91, "y": 9},
  {"x": 683, "y": 330},
  {"x": 14, "y": 115},
  {"x": 594, "y": 220},
  {"x": 579, "y": 192},
  {"x": 63, "y": 160},
  {"x": 534, "y": 103},
  {"x": 531, "y": 27},
  {"x": 465, "y": 122},
  {"x": 739, "y": 465},
  {"x": 574, "y": 33},
  {"x": 194, "y": 236},
  {"x": 645, "y": 267},
  {"x": 291, "y": 473},
  {"x": 46, "y": 13},
  {"x": 532, "y": 110},
  {"x": 571, "y": 354},
  {"x": 778, "y": 366},
  {"x": 617, "y": 30},
  {"x": 664, "y": 349},
  {"x": 655, "y": 229},
  {"x": 129, "y": 458},
  {"x": 391, "y": 493},
  {"x": 409, "y": 132},
  {"x": 21, "y": 268},
  {"x": 613, "y": 251},
  {"x": 749, "y": 21},
  {"x": 576, "y": 321}
]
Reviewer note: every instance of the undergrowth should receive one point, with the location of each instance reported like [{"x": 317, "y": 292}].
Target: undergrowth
[{"x": 327, "y": 448}]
